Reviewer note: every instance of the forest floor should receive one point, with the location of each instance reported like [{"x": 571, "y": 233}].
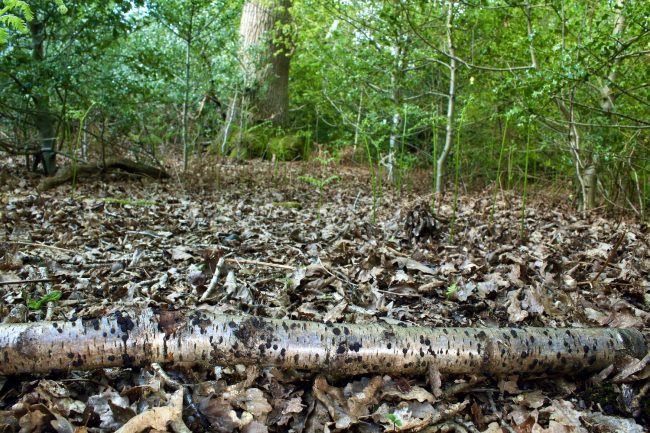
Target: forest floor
[{"x": 123, "y": 242}]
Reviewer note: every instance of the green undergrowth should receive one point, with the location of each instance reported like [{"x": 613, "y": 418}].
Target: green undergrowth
[{"x": 263, "y": 141}]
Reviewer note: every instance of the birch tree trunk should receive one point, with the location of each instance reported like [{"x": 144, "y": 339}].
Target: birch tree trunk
[
  {"x": 451, "y": 101},
  {"x": 186, "y": 91},
  {"x": 137, "y": 338},
  {"x": 266, "y": 51}
]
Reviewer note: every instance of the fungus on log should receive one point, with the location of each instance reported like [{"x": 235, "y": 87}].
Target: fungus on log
[{"x": 135, "y": 338}]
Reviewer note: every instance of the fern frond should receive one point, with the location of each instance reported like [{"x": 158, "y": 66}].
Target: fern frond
[
  {"x": 13, "y": 22},
  {"x": 4, "y": 36},
  {"x": 20, "y": 5}
]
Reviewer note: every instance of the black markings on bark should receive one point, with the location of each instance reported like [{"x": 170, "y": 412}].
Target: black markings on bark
[
  {"x": 124, "y": 321},
  {"x": 127, "y": 360}
]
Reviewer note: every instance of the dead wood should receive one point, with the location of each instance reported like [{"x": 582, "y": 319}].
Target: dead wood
[
  {"x": 67, "y": 174},
  {"x": 135, "y": 338}
]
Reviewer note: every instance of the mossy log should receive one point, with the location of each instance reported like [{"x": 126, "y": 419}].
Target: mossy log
[
  {"x": 136, "y": 338},
  {"x": 65, "y": 175}
]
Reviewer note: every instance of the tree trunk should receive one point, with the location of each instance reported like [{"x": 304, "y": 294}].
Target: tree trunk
[
  {"x": 449, "y": 132},
  {"x": 136, "y": 338},
  {"x": 266, "y": 50},
  {"x": 43, "y": 117},
  {"x": 186, "y": 96}
]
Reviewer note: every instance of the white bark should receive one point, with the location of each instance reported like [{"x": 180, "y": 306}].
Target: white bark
[
  {"x": 449, "y": 130},
  {"x": 136, "y": 338}
]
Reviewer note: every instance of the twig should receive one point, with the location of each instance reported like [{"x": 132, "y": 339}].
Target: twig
[
  {"x": 37, "y": 280},
  {"x": 48, "y": 289},
  {"x": 37, "y": 244},
  {"x": 212, "y": 287},
  {"x": 609, "y": 257},
  {"x": 255, "y": 262},
  {"x": 165, "y": 377}
]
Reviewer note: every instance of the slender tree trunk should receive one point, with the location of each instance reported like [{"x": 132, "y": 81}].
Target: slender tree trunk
[
  {"x": 266, "y": 52},
  {"x": 449, "y": 130},
  {"x": 136, "y": 338},
  {"x": 186, "y": 96},
  {"x": 608, "y": 99},
  {"x": 43, "y": 117}
]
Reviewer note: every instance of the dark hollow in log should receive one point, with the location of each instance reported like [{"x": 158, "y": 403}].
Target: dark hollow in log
[{"x": 136, "y": 338}]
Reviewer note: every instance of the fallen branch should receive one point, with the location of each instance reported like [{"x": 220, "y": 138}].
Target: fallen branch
[
  {"x": 84, "y": 170},
  {"x": 135, "y": 338},
  {"x": 34, "y": 281}
]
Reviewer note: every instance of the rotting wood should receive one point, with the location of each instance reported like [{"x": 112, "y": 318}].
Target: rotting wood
[
  {"x": 85, "y": 170},
  {"x": 136, "y": 338}
]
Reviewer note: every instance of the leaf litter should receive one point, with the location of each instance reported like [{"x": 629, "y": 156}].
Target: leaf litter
[{"x": 225, "y": 240}]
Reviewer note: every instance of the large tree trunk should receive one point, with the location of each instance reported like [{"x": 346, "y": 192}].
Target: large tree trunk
[
  {"x": 43, "y": 117},
  {"x": 266, "y": 50},
  {"x": 138, "y": 338}
]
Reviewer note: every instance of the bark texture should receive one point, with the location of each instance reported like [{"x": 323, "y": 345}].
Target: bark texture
[
  {"x": 133, "y": 338},
  {"x": 265, "y": 59},
  {"x": 43, "y": 118}
]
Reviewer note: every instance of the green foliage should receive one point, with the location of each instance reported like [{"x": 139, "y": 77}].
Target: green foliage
[
  {"x": 287, "y": 147},
  {"x": 394, "y": 419},
  {"x": 8, "y": 20},
  {"x": 319, "y": 183},
  {"x": 37, "y": 304},
  {"x": 452, "y": 290},
  {"x": 355, "y": 65}
]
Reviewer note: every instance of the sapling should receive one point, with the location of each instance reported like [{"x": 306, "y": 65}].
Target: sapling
[
  {"x": 497, "y": 181},
  {"x": 81, "y": 116},
  {"x": 523, "y": 200},
  {"x": 452, "y": 226},
  {"x": 320, "y": 184}
]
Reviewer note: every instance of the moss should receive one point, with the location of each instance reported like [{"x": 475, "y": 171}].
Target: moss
[
  {"x": 286, "y": 148},
  {"x": 253, "y": 143},
  {"x": 264, "y": 142},
  {"x": 128, "y": 202}
]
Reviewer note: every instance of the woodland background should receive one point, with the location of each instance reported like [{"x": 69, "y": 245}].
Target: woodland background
[
  {"x": 473, "y": 164},
  {"x": 514, "y": 93}
]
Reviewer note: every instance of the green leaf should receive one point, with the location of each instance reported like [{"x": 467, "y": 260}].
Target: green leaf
[
  {"x": 452, "y": 290},
  {"x": 394, "y": 419},
  {"x": 13, "y": 22},
  {"x": 37, "y": 304}
]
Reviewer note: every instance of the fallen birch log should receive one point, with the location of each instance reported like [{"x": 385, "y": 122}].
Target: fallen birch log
[{"x": 137, "y": 338}]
